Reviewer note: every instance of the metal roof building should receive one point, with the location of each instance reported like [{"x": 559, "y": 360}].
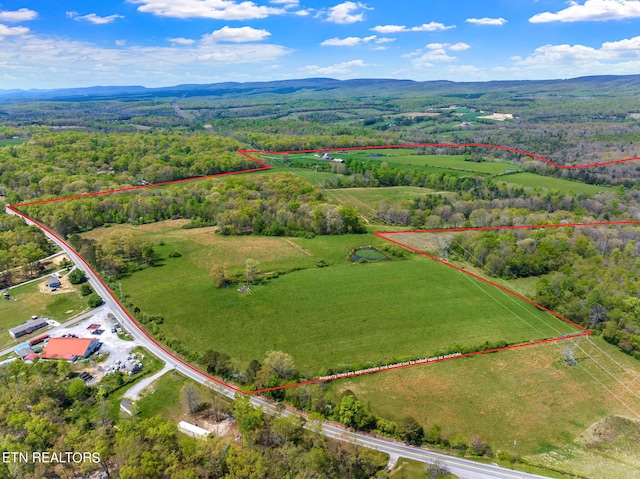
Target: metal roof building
[
  {"x": 70, "y": 348},
  {"x": 28, "y": 327}
]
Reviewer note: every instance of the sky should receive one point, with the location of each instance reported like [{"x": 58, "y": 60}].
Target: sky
[{"x": 154, "y": 43}]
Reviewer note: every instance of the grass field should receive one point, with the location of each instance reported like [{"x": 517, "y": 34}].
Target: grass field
[
  {"x": 451, "y": 164},
  {"x": 11, "y": 141},
  {"x": 525, "y": 395},
  {"x": 343, "y": 315},
  {"x": 551, "y": 183},
  {"x": 27, "y": 301}
]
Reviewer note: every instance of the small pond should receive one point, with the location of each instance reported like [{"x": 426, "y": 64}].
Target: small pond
[{"x": 370, "y": 254}]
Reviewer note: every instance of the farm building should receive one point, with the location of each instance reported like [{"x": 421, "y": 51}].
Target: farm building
[
  {"x": 191, "y": 430},
  {"x": 28, "y": 327},
  {"x": 53, "y": 283},
  {"x": 70, "y": 348}
]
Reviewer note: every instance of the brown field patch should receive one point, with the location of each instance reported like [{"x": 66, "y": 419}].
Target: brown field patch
[
  {"x": 158, "y": 227},
  {"x": 431, "y": 242},
  {"x": 415, "y": 114},
  {"x": 498, "y": 116}
]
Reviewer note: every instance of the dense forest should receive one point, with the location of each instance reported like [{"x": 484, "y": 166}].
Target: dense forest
[
  {"x": 67, "y": 163},
  {"x": 273, "y": 205},
  {"x": 21, "y": 248}
]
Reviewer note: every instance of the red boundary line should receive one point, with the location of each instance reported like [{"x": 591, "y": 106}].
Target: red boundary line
[{"x": 265, "y": 166}]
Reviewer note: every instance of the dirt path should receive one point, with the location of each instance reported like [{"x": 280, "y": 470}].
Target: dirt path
[{"x": 298, "y": 247}]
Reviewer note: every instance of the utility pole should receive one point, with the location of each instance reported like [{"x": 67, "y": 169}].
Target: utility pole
[
  {"x": 513, "y": 451},
  {"x": 120, "y": 285}
]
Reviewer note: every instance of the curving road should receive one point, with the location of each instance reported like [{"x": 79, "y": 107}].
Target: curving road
[{"x": 462, "y": 468}]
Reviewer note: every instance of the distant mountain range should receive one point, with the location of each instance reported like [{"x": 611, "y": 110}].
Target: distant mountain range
[{"x": 365, "y": 87}]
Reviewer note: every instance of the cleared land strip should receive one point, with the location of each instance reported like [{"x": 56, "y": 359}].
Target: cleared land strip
[{"x": 263, "y": 166}]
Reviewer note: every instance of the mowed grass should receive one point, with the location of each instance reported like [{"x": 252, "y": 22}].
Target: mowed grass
[
  {"x": 342, "y": 315},
  {"x": 455, "y": 162},
  {"x": 372, "y": 196},
  {"x": 551, "y": 183},
  {"x": 27, "y": 301},
  {"x": 525, "y": 395}
]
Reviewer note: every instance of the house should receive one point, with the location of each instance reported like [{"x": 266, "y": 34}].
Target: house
[
  {"x": 70, "y": 349},
  {"x": 28, "y": 327},
  {"x": 192, "y": 430},
  {"x": 53, "y": 283}
]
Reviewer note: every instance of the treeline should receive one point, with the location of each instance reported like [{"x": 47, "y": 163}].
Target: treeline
[
  {"x": 66, "y": 163},
  {"x": 21, "y": 246},
  {"x": 286, "y": 134},
  {"x": 45, "y": 408},
  {"x": 117, "y": 253},
  {"x": 273, "y": 205},
  {"x": 589, "y": 275}
]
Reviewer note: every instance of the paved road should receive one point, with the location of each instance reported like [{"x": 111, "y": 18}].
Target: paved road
[{"x": 463, "y": 468}]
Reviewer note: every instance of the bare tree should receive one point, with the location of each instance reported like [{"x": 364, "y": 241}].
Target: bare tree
[
  {"x": 216, "y": 401},
  {"x": 190, "y": 398},
  {"x": 251, "y": 270}
]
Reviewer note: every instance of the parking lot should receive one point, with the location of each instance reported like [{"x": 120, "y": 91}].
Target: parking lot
[{"x": 118, "y": 351}]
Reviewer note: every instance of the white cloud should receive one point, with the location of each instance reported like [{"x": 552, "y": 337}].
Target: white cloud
[
  {"x": 215, "y": 9},
  {"x": 236, "y": 35},
  {"x": 181, "y": 41},
  {"x": 425, "y": 27},
  {"x": 592, "y": 10},
  {"x": 619, "y": 57},
  {"x": 121, "y": 43},
  {"x": 6, "y": 31},
  {"x": 347, "y": 12},
  {"x": 20, "y": 15},
  {"x": 93, "y": 18},
  {"x": 487, "y": 21},
  {"x": 435, "y": 53},
  {"x": 343, "y": 68},
  {"x": 286, "y": 3},
  {"x": 53, "y": 62},
  {"x": 353, "y": 41}
]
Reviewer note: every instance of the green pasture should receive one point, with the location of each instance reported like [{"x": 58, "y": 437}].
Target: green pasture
[
  {"x": 11, "y": 141},
  {"x": 453, "y": 162},
  {"x": 564, "y": 186},
  {"x": 368, "y": 198},
  {"x": 342, "y": 315}
]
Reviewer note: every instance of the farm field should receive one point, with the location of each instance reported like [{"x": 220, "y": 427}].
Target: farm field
[
  {"x": 452, "y": 164},
  {"x": 368, "y": 198},
  {"x": 341, "y": 316},
  {"x": 525, "y": 395},
  {"x": 563, "y": 186},
  {"x": 27, "y": 301}
]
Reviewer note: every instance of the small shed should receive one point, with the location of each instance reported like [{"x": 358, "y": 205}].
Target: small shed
[
  {"x": 127, "y": 406},
  {"x": 192, "y": 430}
]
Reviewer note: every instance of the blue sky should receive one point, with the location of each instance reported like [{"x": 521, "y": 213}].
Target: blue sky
[{"x": 74, "y": 43}]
